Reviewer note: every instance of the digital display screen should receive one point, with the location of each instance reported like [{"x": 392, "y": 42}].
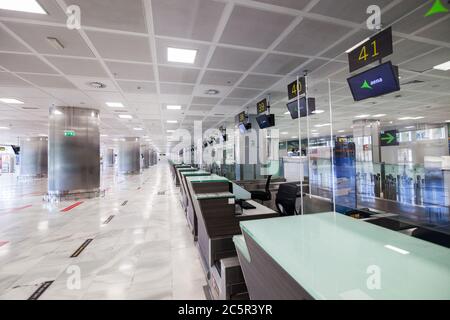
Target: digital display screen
[
  {"x": 293, "y": 107},
  {"x": 242, "y": 128},
  {"x": 378, "y": 81},
  {"x": 265, "y": 121}
]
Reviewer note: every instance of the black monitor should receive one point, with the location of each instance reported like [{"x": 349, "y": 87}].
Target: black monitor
[
  {"x": 378, "y": 81},
  {"x": 244, "y": 127},
  {"x": 293, "y": 107},
  {"x": 16, "y": 149},
  {"x": 266, "y": 120}
]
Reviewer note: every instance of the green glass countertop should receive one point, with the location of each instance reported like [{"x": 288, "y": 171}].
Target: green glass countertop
[
  {"x": 337, "y": 257},
  {"x": 217, "y": 195},
  {"x": 187, "y": 169},
  {"x": 195, "y": 173},
  {"x": 211, "y": 178}
]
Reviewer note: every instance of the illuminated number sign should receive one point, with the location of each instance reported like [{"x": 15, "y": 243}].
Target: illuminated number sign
[
  {"x": 293, "y": 91},
  {"x": 389, "y": 138},
  {"x": 69, "y": 133},
  {"x": 374, "y": 49},
  {"x": 242, "y": 117},
  {"x": 261, "y": 106}
]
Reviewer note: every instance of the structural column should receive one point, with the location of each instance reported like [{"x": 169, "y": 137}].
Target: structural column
[
  {"x": 73, "y": 153},
  {"x": 34, "y": 157},
  {"x": 109, "y": 157},
  {"x": 130, "y": 156},
  {"x": 146, "y": 157}
]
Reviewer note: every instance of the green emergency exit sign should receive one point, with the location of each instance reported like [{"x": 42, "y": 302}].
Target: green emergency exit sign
[{"x": 69, "y": 133}]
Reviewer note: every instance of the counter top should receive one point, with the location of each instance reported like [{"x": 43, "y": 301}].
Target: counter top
[
  {"x": 211, "y": 178},
  {"x": 333, "y": 256},
  {"x": 195, "y": 173},
  {"x": 216, "y": 195}
]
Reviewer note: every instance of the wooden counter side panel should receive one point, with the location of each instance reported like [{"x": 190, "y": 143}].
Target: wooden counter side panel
[
  {"x": 210, "y": 187},
  {"x": 265, "y": 279}
]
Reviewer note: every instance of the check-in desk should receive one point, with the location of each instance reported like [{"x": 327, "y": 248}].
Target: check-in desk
[
  {"x": 175, "y": 168},
  {"x": 179, "y": 171},
  {"x": 332, "y": 256},
  {"x": 184, "y": 191},
  {"x": 197, "y": 185},
  {"x": 217, "y": 223}
]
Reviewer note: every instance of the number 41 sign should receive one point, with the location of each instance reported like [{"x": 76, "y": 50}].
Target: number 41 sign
[{"x": 374, "y": 49}]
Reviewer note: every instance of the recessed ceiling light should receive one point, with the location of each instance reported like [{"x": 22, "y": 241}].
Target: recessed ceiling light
[
  {"x": 138, "y": 129},
  {"x": 447, "y": 121},
  {"x": 170, "y": 131},
  {"x": 4, "y": 128},
  {"x": 284, "y": 133},
  {"x": 318, "y": 111},
  {"x": 103, "y": 135},
  {"x": 287, "y": 112},
  {"x": 294, "y": 137},
  {"x": 30, "y": 6},
  {"x": 410, "y": 127},
  {"x": 173, "y": 107},
  {"x": 172, "y": 121},
  {"x": 379, "y": 115},
  {"x": 125, "y": 116},
  {"x": 340, "y": 131},
  {"x": 322, "y": 125},
  {"x": 181, "y": 55},
  {"x": 10, "y": 100},
  {"x": 212, "y": 92},
  {"x": 57, "y": 112},
  {"x": 114, "y": 104},
  {"x": 363, "y": 116},
  {"x": 410, "y": 118},
  {"x": 55, "y": 43},
  {"x": 443, "y": 67}
]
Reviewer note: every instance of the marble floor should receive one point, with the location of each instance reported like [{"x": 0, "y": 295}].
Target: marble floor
[{"x": 141, "y": 246}]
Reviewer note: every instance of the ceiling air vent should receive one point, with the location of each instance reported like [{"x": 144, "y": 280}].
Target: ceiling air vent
[{"x": 30, "y": 108}]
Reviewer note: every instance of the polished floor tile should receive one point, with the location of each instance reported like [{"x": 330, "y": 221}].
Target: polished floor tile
[{"x": 144, "y": 251}]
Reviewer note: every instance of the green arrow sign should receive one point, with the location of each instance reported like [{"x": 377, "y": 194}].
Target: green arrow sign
[
  {"x": 437, "y": 7},
  {"x": 389, "y": 138},
  {"x": 69, "y": 133}
]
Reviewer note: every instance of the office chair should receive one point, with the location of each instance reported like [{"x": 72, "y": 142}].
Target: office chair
[
  {"x": 262, "y": 195},
  {"x": 286, "y": 199}
]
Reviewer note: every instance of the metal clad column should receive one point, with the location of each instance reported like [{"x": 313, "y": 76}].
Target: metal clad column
[
  {"x": 130, "y": 156},
  {"x": 34, "y": 157},
  {"x": 74, "y": 153},
  {"x": 146, "y": 159},
  {"x": 109, "y": 155}
]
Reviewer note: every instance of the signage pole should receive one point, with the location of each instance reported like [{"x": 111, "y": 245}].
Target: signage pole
[
  {"x": 300, "y": 146},
  {"x": 308, "y": 154},
  {"x": 331, "y": 148}
]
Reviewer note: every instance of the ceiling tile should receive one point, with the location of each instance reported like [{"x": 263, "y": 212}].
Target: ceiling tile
[
  {"x": 347, "y": 43},
  {"x": 131, "y": 71},
  {"x": 220, "y": 78},
  {"x": 189, "y": 19},
  {"x": 182, "y": 75},
  {"x": 294, "y": 4},
  {"x": 428, "y": 61},
  {"x": 137, "y": 87},
  {"x": 299, "y": 41},
  {"x": 48, "y": 81},
  {"x": 233, "y": 102},
  {"x": 121, "y": 47},
  {"x": 258, "y": 81},
  {"x": 203, "y": 108},
  {"x": 113, "y": 14},
  {"x": 244, "y": 93},
  {"x": 205, "y": 100},
  {"x": 24, "y": 63},
  {"x": 439, "y": 32},
  {"x": 9, "y": 43},
  {"x": 176, "y": 89},
  {"x": 9, "y": 80},
  {"x": 36, "y": 36},
  {"x": 254, "y": 28},
  {"x": 78, "y": 67},
  {"x": 408, "y": 49},
  {"x": 279, "y": 64},
  {"x": 83, "y": 83},
  {"x": 350, "y": 10},
  {"x": 233, "y": 59},
  {"x": 407, "y": 17}
]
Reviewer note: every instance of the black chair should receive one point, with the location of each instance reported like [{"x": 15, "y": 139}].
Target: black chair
[
  {"x": 286, "y": 199},
  {"x": 262, "y": 195}
]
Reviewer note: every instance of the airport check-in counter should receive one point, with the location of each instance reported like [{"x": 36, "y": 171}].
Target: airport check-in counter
[
  {"x": 218, "y": 219},
  {"x": 174, "y": 168},
  {"x": 184, "y": 191},
  {"x": 196, "y": 185},
  {"x": 178, "y": 176},
  {"x": 332, "y": 256}
]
